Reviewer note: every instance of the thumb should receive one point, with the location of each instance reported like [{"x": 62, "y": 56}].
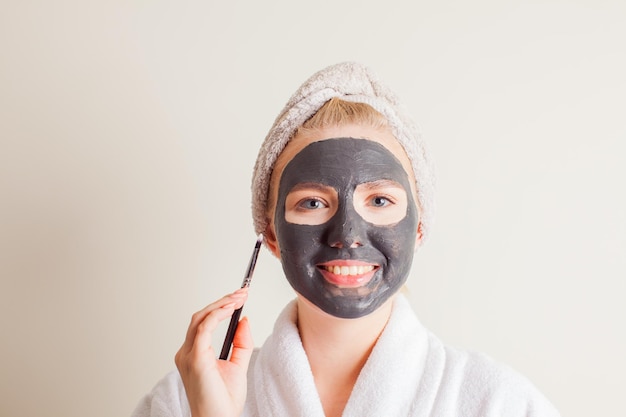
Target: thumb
[{"x": 242, "y": 344}]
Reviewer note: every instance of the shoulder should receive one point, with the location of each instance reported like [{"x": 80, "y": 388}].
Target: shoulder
[
  {"x": 166, "y": 399},
  {"x": 487, "y": 387}
]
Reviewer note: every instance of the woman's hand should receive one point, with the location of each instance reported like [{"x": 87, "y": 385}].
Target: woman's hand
[{"x": 215, "y": 387}]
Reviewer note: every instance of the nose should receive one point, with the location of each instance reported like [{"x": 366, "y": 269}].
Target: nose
[
  {"x": 347, "y": 242},
  {"x": 345, "y": 229}
]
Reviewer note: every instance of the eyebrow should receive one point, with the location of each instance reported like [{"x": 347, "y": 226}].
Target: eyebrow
[
  {"x": 310, "y": 185},
  {"x": 381, "y": 184}
]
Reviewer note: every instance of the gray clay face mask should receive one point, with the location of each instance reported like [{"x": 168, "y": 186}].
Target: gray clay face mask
[{"x": 346, "y": 265}]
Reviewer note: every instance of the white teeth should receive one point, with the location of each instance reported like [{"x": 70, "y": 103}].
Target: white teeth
[{"x": 349, "y": 270}]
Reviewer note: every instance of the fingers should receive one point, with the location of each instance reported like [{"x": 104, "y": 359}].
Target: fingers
[
  {"x": 243, "y": 346},
  {"x": 210, "y": 316},
  {"x": 202, "y": 343}
]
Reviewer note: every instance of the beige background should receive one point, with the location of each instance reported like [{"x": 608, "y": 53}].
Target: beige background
[{"x": 128, "y": 131}]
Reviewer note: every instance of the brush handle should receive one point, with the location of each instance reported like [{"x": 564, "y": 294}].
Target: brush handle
[
  {"x": 230, "y": 333},
  {"x": 234, "y": 320}
]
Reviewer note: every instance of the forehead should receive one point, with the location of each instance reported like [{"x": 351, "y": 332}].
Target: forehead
[
  {"x": 301, "y": 141},
  {"x": 343, "y": 162}
]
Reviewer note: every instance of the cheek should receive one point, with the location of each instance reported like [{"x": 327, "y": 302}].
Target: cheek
[
  {"x": 298, "y": 243},
  {"x": 299, "y": 250},
  {"x": 397, "y": 242}
]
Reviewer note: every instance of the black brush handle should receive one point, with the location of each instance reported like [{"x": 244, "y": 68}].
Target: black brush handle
[
  {"x": 230, "y": 333},
  {"x": 234, "y": 320}
]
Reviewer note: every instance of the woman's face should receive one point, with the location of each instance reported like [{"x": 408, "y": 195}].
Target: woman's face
[{"x": 345, "y": 221}]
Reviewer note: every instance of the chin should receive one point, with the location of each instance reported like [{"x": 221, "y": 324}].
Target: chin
[{"x": 353, "y": 306}]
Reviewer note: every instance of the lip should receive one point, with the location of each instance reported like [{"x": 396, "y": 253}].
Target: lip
[{"x": 347, "y": 281}]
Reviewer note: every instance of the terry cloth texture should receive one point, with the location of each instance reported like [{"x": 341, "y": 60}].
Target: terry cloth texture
[
  {"x": 353, "y": 82},
  {"x": 409, "y": 373}
]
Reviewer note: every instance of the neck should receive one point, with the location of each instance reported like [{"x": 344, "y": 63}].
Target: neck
[
  {"x": 337, "y": 349},
  {"x": 333, "y": 343}
]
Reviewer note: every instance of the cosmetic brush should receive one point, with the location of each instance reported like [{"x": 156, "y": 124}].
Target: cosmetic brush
[{"x": 234, "y": 320}]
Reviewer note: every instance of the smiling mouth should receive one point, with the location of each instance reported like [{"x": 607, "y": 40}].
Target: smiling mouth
[
  {"x": 348, "y": 274},
  {"x": 351, "y": 270}
]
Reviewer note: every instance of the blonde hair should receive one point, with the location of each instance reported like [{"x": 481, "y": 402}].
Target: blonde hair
[{"x": 338, "y": 112}]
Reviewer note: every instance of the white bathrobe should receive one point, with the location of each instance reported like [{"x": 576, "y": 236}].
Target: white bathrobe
[{"x": 409, "y": 373}]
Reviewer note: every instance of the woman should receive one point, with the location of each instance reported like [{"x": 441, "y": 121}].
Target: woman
[{"x": 343, "y": 194}]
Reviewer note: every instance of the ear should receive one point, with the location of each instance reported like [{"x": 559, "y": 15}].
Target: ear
[
  {"x": 420, "y": 235},
  {"x": 270, "y": 239}
]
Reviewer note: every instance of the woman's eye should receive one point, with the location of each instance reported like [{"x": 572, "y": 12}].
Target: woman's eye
[
  {"x": 311, "y": 204},
  {"x": 380, "y": 201}
]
